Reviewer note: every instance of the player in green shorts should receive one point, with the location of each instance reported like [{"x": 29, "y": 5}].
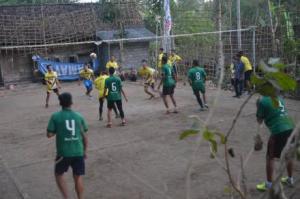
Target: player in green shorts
[
  {"x": 113, "y": 86},
  {"x": 169, "y": 84},
  {"x": 281, "y": 127},
  {"x": 197, "y": 77},
  {"x": 70, "y": 129}
]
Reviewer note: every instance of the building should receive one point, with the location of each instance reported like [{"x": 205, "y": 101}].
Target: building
[{"x": 69, "y": 33}]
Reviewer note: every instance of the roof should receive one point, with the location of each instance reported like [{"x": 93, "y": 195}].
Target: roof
[
  {"x": 59, "y": 23},
  {"x": 140, "y": 34}
]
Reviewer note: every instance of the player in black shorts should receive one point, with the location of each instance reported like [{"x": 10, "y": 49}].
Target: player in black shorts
[{"x": 70, "y": 129}]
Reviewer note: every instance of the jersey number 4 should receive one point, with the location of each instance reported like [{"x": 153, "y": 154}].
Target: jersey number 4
[{"x": 71, "y": 126}]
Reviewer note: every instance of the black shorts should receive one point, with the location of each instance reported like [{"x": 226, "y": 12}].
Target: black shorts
[
  {"x": 146, "y": 85},
  {"x": 248, "y": 75},
  {"x": 111, "y": 104},
  {"x": 62, "y": 165},
  {"x": 168, "y": 90},
  {"x": 174, "y": 68},
  {"x": 276, "y": 144},
  {"x": 55, "y": 90}
]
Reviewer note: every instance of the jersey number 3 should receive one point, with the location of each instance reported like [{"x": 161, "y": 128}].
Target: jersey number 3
[{"x": 71, "y": 126}]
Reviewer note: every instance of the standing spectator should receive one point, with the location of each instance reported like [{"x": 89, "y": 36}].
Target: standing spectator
[
  {"x": 70, "y": 129},
  {"x": 238, "y": 77},
  {"x": 247, "y": 69}
]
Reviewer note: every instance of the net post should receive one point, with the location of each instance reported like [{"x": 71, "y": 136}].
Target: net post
[{"x": 253, "y": 28}]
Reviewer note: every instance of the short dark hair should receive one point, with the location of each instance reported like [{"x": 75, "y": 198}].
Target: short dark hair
[
  {"x": 164, "y": 59},
  {"x": 65, "y": 100},
  {"x": 161, "y": 49},
  {"x": 104, "y": 72},
  {"x": 144, "y": 61},
  {"x": 111, "y": 70},
  {"x": 48, "y": 66},
  {"x": 195, "y": 62},
  {"x": 240, "y": 53}
]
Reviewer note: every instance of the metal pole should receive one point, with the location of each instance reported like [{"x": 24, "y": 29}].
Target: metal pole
[
  {"x": 156, "y": 47},
  {"x": 238, "y": 8},
  {"x": 254, "y": 48}
]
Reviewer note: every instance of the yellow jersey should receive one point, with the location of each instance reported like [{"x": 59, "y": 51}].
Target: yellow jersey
[
  {"x": 246, "y": 63},
  {"x": 113, "y": 64},
  {"x": 86, "y": 74},
  {"x": 160, "y": 56},
  {"x": 100, "y": 85},
  {"x": 51, "y": 78},
  {"x": 148, "y": 74},
  {"x": 173, "y": 59}
]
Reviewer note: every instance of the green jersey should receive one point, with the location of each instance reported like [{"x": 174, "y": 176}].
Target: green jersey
[
  {"x": 114, "y": 86},
  {"x": 197, "y": 76},
  {"x": 275, "y": 118},
  {"x": 168, "y": 80},
  {"x": 68, "y": 127}
]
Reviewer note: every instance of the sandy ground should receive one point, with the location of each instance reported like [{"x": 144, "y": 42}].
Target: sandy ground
[{"x": 143, "y": 160}]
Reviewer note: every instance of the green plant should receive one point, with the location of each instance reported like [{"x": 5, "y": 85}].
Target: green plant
[{"x": 269, "y": 83}]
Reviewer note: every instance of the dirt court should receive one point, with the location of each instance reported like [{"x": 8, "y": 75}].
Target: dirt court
[{"x": 143, "y": 160}]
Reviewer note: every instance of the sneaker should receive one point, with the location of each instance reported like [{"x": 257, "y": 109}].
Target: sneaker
[
  {"x": 206, "y": 106},
  {"x": 263, "y": 186},
  {"x": 287, "y": 181}
]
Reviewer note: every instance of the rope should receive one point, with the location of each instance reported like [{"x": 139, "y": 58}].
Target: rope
[{"x": 123, "y": 39}]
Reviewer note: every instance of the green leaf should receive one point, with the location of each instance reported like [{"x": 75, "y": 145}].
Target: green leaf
[
  {"x": 187, "y": 133},
  {"x": 214, "y": 146},
  {"x": 264, "y": 67},
  {"x": 273, "y": 60},
  {"x": 267, "y": 90},
  {"x": 286, "y": 82},
  {"x": 280, "y": 66},
  {"x": 256, "y": 80},
  {"x": 222, "y": 137},
  {"x": 208, "y": 135},
  {"x": 227, "y": 190},
  {"x": 275, "y": 84}
]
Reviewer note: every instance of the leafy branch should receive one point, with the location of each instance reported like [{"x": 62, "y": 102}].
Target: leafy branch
[{"x": 272, "y": 81}]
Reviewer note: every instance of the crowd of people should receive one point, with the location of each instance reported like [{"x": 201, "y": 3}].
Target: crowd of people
[{"x": 70, "y": 127}]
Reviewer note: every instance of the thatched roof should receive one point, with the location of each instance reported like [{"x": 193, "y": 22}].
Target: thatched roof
[{"x": 58, "y": 23}]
